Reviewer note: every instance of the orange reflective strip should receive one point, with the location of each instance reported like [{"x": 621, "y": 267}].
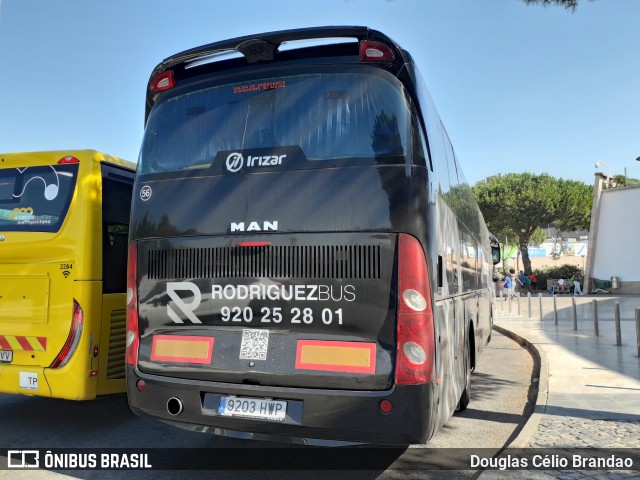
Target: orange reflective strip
[
  {"x": 182, "y": 349},
  {"x": 38, "y": 344},
  {"x": 24, "y": 343},
  {"x": 28, "y": 344},
  {"x": 356, "y": 357}
]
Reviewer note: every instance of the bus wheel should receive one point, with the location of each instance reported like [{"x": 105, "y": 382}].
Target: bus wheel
[
  {"x": 465, "y": 398},
  {"x": 490, "y": 325}
]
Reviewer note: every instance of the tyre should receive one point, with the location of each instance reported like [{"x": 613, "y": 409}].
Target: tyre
[{"x": 465, "y": 398}]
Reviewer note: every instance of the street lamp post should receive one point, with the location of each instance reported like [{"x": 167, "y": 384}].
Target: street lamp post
[
  {"x": 597, "y": 165},
  {"x": 626, "y": 178}
]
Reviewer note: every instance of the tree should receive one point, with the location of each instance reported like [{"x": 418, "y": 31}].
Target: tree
[
  {"x": 518, "y": 204},
  {"x": 511, "y": 242},
  {"x": 538, "y": 236},
  {"x": 568, "y": 4},
  {"x": 621, "y": 180}
]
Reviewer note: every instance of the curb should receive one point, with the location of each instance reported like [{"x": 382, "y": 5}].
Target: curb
[{"x": 531, "y": 425}]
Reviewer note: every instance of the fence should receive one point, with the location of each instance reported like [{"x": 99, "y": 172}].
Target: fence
[{"x": 566, "y": 308}]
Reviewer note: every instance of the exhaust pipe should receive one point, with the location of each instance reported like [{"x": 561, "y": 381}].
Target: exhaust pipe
[{"x": 174, "y": 406}]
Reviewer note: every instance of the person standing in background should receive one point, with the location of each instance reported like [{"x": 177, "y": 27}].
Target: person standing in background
[
  {"x": 561, "y": 285},
  {"x": 527, "y": 283},
  {"x": 507, "y": 289},
  {"x": 514, "y": 280},
  {"x": 577, "y": 280},
  {"x": 522, "y": 281},
  {"x": 534, "y": 281}
]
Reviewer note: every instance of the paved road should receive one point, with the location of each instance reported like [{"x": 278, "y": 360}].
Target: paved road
[{"x": 500, "y": 393}]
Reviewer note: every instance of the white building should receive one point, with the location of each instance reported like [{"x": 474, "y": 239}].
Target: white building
[{"x": 614, "y": 239}]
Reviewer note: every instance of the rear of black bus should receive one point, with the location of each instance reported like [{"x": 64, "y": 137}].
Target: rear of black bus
[{"x": 278, "y": 282}]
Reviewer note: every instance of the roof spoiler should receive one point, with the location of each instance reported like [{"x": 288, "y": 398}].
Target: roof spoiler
[
  {"x": 271, "y": 41},
  {"x": 264, "y": 47}
]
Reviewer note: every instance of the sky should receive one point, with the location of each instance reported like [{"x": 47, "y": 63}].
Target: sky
[{"x": 519, "y": 88}]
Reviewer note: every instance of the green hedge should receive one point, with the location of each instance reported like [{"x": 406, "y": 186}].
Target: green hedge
[{"x": 563, "y": 271}]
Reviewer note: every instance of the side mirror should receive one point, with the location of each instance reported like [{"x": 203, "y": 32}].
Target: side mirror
[
  {"x": 495, "y": 249},
  {"x": 495, "y": 254}
]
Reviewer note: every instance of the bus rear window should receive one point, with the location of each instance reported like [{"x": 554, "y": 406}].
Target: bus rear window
[
  {"x": 36, "y": 199},
  {"x": 345, "y": 117}
]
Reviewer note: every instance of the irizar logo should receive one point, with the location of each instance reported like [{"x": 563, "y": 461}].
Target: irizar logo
[
  {"x": 235, "y": 161},
  {"x": 255, "y": 226},
  {"x": 265, "y": 161}
]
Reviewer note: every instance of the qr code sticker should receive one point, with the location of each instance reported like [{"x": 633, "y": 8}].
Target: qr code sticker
[{"x": 254, "y": 344}]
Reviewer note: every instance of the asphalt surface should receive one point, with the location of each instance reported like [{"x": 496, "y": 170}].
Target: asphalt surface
[{"x": 502, "y": 388}]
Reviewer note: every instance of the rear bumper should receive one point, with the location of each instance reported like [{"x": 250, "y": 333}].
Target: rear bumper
[
  {"x": 331, "y": 415},
  {"x": 46, "y": 382},
  {"x": 25, "y": 380}
]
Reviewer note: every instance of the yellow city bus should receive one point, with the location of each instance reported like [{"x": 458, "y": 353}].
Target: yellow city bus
[{"x": 64, "y": 222}]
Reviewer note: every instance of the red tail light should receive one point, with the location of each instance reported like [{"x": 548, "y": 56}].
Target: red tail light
[
  {"x": 132, "y": 340},
  {"x": 71, "y": 345},
  {"x": 68, "y": 159},
  {"x": 375, "y": 52},
  {"x": 162, "y": 81},
  {"x": 253, "y": 244},
  {"x": 416, "y": 350}
]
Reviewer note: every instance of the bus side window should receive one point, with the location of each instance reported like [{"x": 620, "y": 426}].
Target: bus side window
[
  {"x": 421, "y": 153},
  {"x": 116, "y": 207}
]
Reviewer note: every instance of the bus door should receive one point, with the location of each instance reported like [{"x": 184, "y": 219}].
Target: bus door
[{"x": 117, "y": 184}]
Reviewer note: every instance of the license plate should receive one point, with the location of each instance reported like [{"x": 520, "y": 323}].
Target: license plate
[
  {"x": 6, "y": 356},
  {"x": 260, "y": 408}
]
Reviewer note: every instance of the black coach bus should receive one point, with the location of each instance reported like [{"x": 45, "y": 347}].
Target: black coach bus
[{"x": 306, "y": 259}]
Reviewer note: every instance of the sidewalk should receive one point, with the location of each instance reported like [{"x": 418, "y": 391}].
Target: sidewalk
[{"x": 589, "y": 388}]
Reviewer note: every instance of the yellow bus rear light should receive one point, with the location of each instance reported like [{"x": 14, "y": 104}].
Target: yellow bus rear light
[
  {"x": 68, "y": 159},
  {"x": 73, "y": 339}
]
